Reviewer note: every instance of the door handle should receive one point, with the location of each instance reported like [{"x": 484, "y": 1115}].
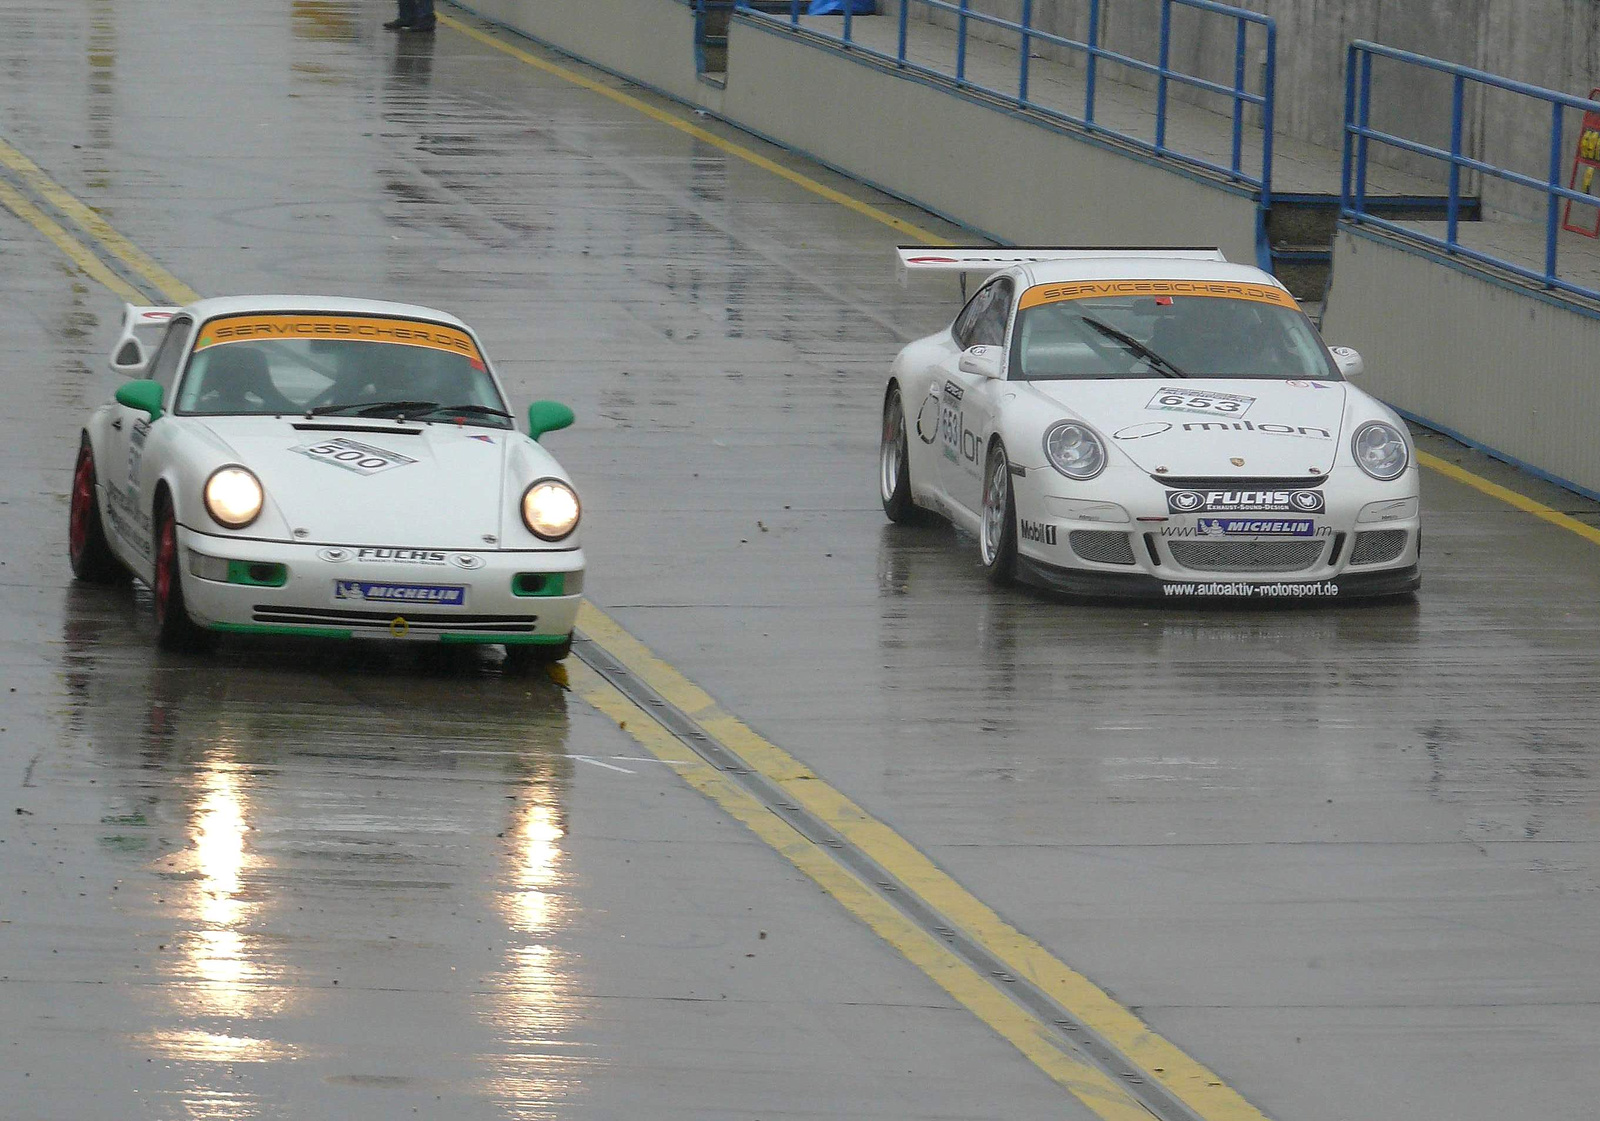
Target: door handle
[{"x": 117, "y": 424}]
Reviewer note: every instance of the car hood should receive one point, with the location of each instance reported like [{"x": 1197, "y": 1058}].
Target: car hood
[
  {"x": 381, "y": 484},
  {"x": 1211, "y": 426}
]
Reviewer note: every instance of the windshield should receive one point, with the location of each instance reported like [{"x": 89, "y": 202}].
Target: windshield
[
  {"x": 1263, "y": 335},
  {"x": 265, "y": 365}
]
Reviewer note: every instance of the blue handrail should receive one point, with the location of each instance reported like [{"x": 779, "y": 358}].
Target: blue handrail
[
  {"x": 1359, "y": 135},
  {"x": 1028, "y": 35}
]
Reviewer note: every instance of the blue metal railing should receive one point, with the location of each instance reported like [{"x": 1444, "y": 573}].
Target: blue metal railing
[
  {"x": 1240, "y": 97},
  {"x": 1359, "y": 134}
]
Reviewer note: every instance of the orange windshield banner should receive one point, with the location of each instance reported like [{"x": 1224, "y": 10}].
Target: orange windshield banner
[
  {"x": 356, "y": 328},
  {"x": 1222, "y": 289}
]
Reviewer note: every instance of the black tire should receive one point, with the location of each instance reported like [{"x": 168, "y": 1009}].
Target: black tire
[
  {"x": 175, "y": 630},
  {"x": 88, "y": 551},
  {"x": 525, "y": 657},
  {"x": 894, "y": 463},
  {"x": 997, "y": 534}
]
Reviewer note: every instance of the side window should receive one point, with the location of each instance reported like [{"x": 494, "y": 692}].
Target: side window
[
  {"x": 169, "y": 356},
  {"x": 961, "y": 330},
  {"x": 990, "y": 329}
]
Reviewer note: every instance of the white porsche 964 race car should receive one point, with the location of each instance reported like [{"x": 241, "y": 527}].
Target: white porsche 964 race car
[
  {"x": 335, "y": 468},
  {"x": 1148, "y": 422}
]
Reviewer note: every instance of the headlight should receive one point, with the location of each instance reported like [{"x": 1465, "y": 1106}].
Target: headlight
[
  {"x": 1380, "y": 450},
  {"x": 550, "y": 509},
  {"x": 1074, "y": 450},
  {"x": 233, "y": 497}
]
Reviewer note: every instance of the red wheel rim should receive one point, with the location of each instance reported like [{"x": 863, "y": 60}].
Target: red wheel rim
[
  {"x": 166, "y": 558},
  {"x": 82, "y": 496}
]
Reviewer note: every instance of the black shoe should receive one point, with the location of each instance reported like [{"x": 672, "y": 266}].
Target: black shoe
[
  {"x": 396, "y": 25},
  {"x": 417, "y": 26}
]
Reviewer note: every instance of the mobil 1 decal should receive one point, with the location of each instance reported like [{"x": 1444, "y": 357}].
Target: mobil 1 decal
[
  {"x": 1210, "y": 402},
  {"x": 1230, "y": 501},
  {"x": 353, "y": 455}
]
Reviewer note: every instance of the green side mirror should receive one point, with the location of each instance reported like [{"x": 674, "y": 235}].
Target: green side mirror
[
  {"x": 547, "y": 416},
  {"x": 142, "y": 395}
]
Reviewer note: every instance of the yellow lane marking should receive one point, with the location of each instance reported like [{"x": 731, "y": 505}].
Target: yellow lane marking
[
  {"x": 1185, "y": 1078},
  {"x": 92, "y": 266},
  {"x": 1024, "y": 1031},
  {"x": 1506, "y": 494},
  {"x": 704, "y": 136},
  {"x": 97, "y": 227}
]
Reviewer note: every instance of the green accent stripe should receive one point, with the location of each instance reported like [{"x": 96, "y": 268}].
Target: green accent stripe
[
  {"x": 265, "y": 628},
  {"x": 239, "y": 573},
  {"x": 506, "y": 639},
  {"x": 544, "y": 584}
]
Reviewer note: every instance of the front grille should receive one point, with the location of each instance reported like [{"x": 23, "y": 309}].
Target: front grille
[
  {"x": 1101, "y": 545},
  {"x": 1239, "y": 482},
  {"x": 1374, "y": 546},
  {"x": 1246, "y": 556},
  {"x": 380, "y": 620}
]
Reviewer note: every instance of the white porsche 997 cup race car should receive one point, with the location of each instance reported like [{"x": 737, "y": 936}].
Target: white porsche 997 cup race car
[
  {"x": 333, "y": 468},
  {"x": 1148, "y": 422}
]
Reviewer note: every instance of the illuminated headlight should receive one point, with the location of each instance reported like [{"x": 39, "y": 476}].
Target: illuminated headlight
[
  {"x": 1380, "y": 450},
  {"x": 550, "y": 509},
  {"x": 1074, "y": 450},
  {"x": 233, "y": 497}
]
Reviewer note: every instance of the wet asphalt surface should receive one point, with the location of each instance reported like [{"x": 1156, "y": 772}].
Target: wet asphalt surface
[{"x": 1348, "y": 856}]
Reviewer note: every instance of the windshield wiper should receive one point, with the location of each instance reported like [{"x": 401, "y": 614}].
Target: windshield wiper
[
  {"x": 1134, "y": 345},
  {"x": 376, "y": 408},
  {"x": 473, "y": 410}
]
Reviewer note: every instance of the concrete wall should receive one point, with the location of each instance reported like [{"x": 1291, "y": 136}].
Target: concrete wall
[
  {"x": 1550, "y": 43},
  {"x": 650, "y": 41},
  {"x": 1026, "y": 183},
  {"x": 1455, "y": 347}
]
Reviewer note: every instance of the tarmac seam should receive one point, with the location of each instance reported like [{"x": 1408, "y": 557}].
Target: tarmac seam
[
  {"x": 1059, "y": 1058},
  {"x": 1171, "y": 1083}
]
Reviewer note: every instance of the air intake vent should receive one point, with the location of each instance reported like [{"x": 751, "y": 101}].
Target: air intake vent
[
  {"x": 1246, "y": 556},
  {"x": 1102, "y": 546},
  {"x": 1374, "y": 546}
]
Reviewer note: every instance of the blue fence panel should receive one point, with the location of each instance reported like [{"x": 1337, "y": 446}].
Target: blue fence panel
[
  {"x": 1027, "y": 36},
  {"x": 1359, "y": 135}
]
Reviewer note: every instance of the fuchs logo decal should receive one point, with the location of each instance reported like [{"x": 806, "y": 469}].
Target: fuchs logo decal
[
  {"x": 1227, "y": 501},
  {"x": 1042, "y": 532}
]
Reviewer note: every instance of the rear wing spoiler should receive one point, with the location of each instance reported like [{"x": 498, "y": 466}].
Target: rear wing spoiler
[
  {"x": 141, "y": 328},
  {"x": 987, "y": 258}
]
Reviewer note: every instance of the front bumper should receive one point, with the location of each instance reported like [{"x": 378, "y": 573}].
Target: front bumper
[
  {"x": 348, "y": 591},
  {"x": 1362, "y": 539}
]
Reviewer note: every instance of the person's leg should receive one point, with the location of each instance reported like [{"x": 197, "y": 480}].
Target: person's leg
[
  {"x": 406, "y": 16},
  {"x": 423, "y": 18}
]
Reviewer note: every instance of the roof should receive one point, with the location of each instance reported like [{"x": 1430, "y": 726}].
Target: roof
[
  {"x": 338, "y": 305},
  {"x": 1145, "y": 268}
]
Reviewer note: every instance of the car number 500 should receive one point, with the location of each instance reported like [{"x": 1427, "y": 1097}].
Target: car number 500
[{"x": 349, "y": 455}]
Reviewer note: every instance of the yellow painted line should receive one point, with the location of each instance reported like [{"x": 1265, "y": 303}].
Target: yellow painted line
[
  {"x": 1184, "y": 1077},
  {"x": 92, "y": 266},
  {"x": 738, "y": 151},
  {"x": 97, "y": 227},
  {"x": 1023, "y": 1030},
  {"x": 1507, "y": 495}
]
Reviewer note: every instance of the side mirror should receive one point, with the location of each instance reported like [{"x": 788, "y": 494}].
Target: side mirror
[
  {"x": 981, "y": 360},
  {"x": 142, "y": 395},
  {"x": 129, "y": 356},
  {"x": 548, "y": 416},
  {"x": 1348, "y": 360}
]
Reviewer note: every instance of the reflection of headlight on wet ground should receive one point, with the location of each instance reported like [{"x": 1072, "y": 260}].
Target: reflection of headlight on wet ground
[{"x": 533, "y": 908}]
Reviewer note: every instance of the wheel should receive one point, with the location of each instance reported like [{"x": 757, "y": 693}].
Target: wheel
[
  {"x": 894, "y": 463},
  {"x": 998, "y": 542},
  {"x": 87, "y": 549},
  {"x": 175, "y": 630},
  {"x": 522, "y": 657}
]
